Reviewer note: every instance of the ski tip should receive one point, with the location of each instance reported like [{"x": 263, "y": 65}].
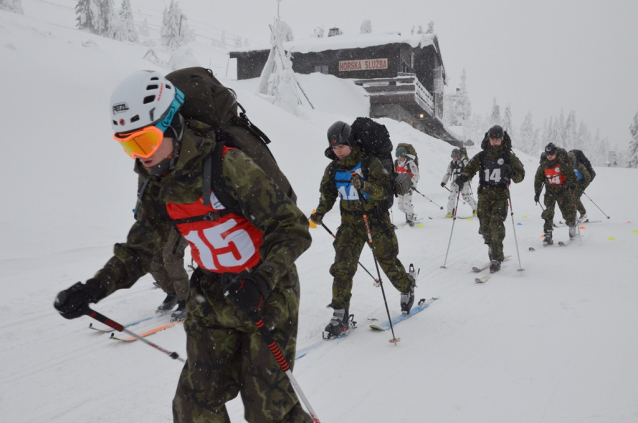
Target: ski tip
[{"x": 378, "y": 328}]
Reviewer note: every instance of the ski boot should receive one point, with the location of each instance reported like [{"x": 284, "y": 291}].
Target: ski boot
[
  {"x": 548, "y": 239},
  {"x": 495, "y": 266},
  {"x": 409, "y": 219},
  {"x": 180, "y": 312},
  {"x": 168, "y": 303},
  {"x": 583, "y": 218},
  {"x": 407, "y": 297},
  {"x": 338, "y": 325},
  {"x": 572, "y": 232}
]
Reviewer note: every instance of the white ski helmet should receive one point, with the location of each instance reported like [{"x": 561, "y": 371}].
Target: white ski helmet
[{"x": 140, "y": 100}]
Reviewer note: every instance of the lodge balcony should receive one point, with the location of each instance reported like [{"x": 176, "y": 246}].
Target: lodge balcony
[{"x": 405, "y": 99}]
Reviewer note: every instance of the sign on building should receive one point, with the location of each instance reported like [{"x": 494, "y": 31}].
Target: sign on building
[{"x": 362, "y": 65}]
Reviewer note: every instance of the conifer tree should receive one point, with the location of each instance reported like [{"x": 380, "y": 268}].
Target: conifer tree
[
  {"x": 14, "y": 6},
  {"x": 366, "y": 27},
  {"x": 632, "y": 151},
  {"x": 175, "y": 32},
  {"x": 495, "y": 117},
  {"x": 127, "y": 22}
]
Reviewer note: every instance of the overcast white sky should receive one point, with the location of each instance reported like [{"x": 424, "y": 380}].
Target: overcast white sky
[{"x": 542, "y": 56}]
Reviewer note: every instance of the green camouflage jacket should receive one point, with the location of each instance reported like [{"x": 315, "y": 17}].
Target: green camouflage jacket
[
  {"x": 493, "y": 153},
  {"x": 566, "y": 168},
  {"x": 284, "y": 227},
  {"x": 377, "y": 185}
]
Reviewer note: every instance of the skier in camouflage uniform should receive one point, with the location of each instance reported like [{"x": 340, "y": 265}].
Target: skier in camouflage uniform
[
  {"x": 556, "y": 172},
  {"x": 497, "y": 166},
  {"x": 405, "y": 163},
  {"x": 245, "y": 261},
  {"x": 584, "y": 179},
  {"x": 167, "y": 266},
  {"x": 454, "y": 169},
  {"x": 345, "y": 179}
]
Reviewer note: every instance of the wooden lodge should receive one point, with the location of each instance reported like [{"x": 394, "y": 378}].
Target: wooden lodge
[{"x": 403, "y": 75}]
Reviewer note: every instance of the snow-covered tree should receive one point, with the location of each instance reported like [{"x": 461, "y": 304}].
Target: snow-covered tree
[
  {"x": 175, "y": 31},
  {"x": 507, "y": 120},
  {"x": 430, "y": 28},
  {"x": 420, "y": 30},
  {"x": 632, "y": 151},
  {"x": 88, "y": 15},
  {"x": 127, "y": 22},
  {"x": 144, "y": 28},
  {"x": 222, "y": 40},
  {"x": 14, "y": 6},
  {"x": 570, "y": 135},
  {"x": 238, "y": 42},
  {"x": 246, "y": 43},
  {"x": 527, "y": 135},
  {"x": 366, "y": 27},
  {"x": 495, "y": 117}
]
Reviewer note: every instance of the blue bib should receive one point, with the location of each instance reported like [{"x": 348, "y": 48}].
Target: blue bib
[{"x": 346, "y": 191}]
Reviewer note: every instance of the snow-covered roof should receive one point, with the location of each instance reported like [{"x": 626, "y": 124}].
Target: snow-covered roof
[{"x": 340, "y": 42}]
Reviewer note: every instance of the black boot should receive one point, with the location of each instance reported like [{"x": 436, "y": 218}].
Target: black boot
[
  {"x": 407, "y": 297},
  {"x": 338, "y": 324},
  {"x": 180, "y": 312},
  {"x": 168, "y": 303},
  {"x": 495, "y": 266},
  {"x": 548, "y": 238}
]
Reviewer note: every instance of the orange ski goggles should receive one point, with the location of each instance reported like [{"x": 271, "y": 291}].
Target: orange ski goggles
[{"x": 142, "y": 143}]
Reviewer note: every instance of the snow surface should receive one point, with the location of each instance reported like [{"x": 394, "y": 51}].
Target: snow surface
[{"x": 555, "y": 343}]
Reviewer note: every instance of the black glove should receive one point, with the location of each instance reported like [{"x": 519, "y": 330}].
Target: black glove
[
  {"x": 460, "y": 180},
  {"x": 74, "y": 301},
  {"x": 536, "y": 198},
  {"x": 442, "y": 184},
  {"x": 357, "y": 182},
  {"x": 247, "y": 291},
  {"x": 507, "y": 171},
  {"x": 316, "y": 218}
]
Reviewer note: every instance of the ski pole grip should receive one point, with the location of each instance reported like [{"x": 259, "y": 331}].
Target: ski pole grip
[{"x": 103, "y": 319}]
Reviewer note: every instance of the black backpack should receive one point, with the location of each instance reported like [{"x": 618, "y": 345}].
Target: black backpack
[
  {"x": 581, "y": 158},
  {"x": 374, "y": 140},
  {"x": 210, "y": 102}
]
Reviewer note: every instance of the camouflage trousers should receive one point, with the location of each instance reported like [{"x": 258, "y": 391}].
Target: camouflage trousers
[
  {"x": 492, "y": 213},
  {"x": 565, "y": 200},
  {"x": 227, "y": 356},
  {"x": 579, "y": 204},
  {"x": 349, "y": 241},
  {"x": 167, "y": 267},
  {"x": 466, "y": 192}
]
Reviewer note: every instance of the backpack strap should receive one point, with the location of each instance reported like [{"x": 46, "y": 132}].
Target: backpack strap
[{"x": 218, "y": 185}]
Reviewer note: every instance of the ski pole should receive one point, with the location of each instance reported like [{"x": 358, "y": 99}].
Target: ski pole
[
  {"x": 520, "y": 267},
  {"x": 447, "y": 188},
  {"x": 283, "y": 364},
  {"x": 595, "y": 204},
  {"x": 416, "y": 190},
  {"x": 376, "y": 264},
  {"x": 458, "y": 194},
  {"x": 118, "y": 327},
  {"x": 376, "y": 281}
]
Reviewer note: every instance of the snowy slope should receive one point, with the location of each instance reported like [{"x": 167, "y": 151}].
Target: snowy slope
[{"x": 555, "y": 343}]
